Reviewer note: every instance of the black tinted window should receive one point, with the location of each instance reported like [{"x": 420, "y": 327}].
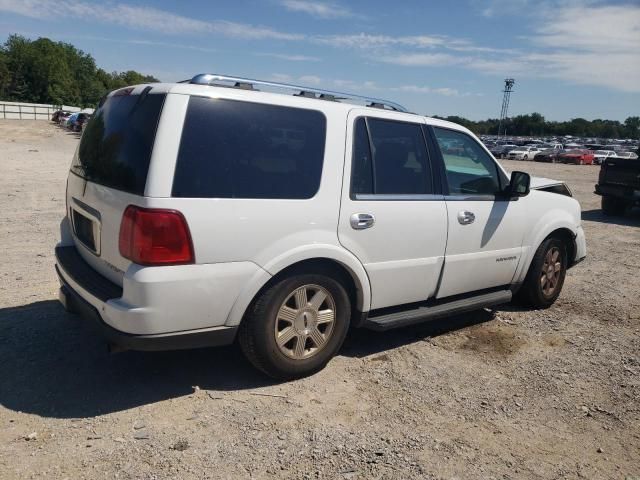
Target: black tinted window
[
  {"x": 232, "y": 149},
  {"x": 362, "y": 176},
  {"x": 115, "y": 149},
  {"x": 389, "y": 157},
  {"x": 469, "y": 169}
]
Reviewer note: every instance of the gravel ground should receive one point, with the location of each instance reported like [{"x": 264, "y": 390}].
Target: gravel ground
[{"x": 505, "y": 394}]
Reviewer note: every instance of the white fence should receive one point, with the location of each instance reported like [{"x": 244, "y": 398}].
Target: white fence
[{"x": 30, "y": 111}]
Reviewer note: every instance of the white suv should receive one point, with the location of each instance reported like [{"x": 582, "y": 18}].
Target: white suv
[{"x": 209, "y": 210}]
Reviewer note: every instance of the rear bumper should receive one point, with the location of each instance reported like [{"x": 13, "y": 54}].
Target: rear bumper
[
  {"x": 74, "y": 303},
  {"x": 93, "y": 297}
]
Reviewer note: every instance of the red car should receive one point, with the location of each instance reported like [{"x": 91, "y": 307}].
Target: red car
[{"x": 577, "y": 157}]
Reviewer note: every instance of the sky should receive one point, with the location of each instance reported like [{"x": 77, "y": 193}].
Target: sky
[{"x": 569, "y": 58}]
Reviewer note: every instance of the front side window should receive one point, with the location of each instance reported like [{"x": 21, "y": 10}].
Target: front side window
[
  {"x": 469, "y": 169},
  {"x": 233, "y": 149},
  {"x": 389, "y": 157}
]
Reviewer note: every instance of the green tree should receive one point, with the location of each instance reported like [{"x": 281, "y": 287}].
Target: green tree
[
  {"x": 632, "y": 127},
  {"x": 44, "y": 71}
]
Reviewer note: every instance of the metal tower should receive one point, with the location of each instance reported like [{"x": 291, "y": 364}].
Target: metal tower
[{"x": 508, "y": 85}]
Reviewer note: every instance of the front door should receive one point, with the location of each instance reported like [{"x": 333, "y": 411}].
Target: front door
[
  {"x": 392, "y": 217},
  {"x": 486, "y": 229}
]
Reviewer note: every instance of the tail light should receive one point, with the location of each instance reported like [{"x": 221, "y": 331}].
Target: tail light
[{"x": 155, "y": 237}]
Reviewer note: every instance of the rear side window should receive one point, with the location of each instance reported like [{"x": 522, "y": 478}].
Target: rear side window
[
  {"x": 232, "y": 149},
  {"x": 389, "y": 157},
  {"x": 116, "y": 146}
]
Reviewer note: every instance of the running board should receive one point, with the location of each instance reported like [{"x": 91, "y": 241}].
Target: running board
[{"x": 421, "y": 314}]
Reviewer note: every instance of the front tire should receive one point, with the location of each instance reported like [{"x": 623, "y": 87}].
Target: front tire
[
  {"x": 296, "y": 326},
  {"x": 546, "y": 275}
]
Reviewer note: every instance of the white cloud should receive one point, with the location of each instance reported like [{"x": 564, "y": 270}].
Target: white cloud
[
  {"x": 318, "y": 9},
  {"x": 604, "y": 29},
  {"x": 367, "y": 41},
  {"x": 290, "y": 57},
  {"x": 444, "y": 91},
  {"x": 310, "y": 80},
  {"x": 141, "y": 18},
  {"x": 421, "y": 59},
  {"x": 592, "y": 45},
  {"x": 354, "y": 87},
  {"x": 494, "y": 8}
]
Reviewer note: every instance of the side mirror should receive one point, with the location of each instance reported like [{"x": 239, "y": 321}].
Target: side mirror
[{"x": 519, "y": 184}]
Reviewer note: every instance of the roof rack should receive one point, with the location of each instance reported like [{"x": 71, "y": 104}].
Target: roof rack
[{"x": 307, "y": 92}]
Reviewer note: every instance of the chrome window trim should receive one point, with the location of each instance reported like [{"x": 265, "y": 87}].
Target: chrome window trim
[
  {"x": 473, "y": 198},
  {"x": 426, "y": 197}
]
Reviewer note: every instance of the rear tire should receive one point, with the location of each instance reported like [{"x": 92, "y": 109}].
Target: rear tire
[
  {"x": 289, "y": 334},
  {"x": 546, "y": 275},
  {"x": 613, "y": 206}
]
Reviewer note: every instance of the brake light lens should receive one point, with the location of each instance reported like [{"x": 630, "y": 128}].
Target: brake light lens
[{"x": 155, "y": 237}]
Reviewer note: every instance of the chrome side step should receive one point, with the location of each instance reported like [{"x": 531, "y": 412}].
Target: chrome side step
[{"x": 421, "y": 314}]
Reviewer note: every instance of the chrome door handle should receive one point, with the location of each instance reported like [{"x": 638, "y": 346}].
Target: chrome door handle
[
  {"x": 360, "y": 221},
  {"x": 465, "y": 217}
]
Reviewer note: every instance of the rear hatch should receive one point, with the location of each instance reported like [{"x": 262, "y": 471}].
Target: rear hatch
[
  {"x": 109, "y": 172},
  {"x": 619, "y": 171}
]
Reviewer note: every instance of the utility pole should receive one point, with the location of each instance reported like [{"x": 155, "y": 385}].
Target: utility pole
[{"x": 508, "y": 85}]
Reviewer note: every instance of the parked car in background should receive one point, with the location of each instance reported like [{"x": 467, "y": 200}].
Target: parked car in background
[
  {"x": 77, "y": 121},
  {"x": 629, "y": 155},
  {"x": 573, "y": 146},
  {"x": 619, "y": 185},
  {"x": 57, "y": 114},
  {"x": 63, "y": 117},
  {"x": 550, "y": 155},
  {"x": 600, "y": 156},
  {"x": 547, "y": 146},
  {"x": 501, "y": 151},
  {"x": 577, "y": 157},
  {"x": 523, "y": 153},
  {"x": 71, "y": 120}
]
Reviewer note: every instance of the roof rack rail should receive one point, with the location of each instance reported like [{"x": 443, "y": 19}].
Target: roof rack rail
[{"x": 307, "y": 92}]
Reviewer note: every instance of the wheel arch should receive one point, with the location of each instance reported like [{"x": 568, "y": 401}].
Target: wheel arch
[
  {"x": 332, "y": 261},
  {"x": 562, "y": 228}
]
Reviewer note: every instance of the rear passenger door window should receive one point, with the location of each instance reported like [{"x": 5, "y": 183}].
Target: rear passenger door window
[
  {"x": 233, "y": 149},
  {"x": 389, "y": 158},
  {"x": 469, "y": 169}
]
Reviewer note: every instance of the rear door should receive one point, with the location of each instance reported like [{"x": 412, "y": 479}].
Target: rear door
[
  {"x": 392, "y": 216},
  {"x": 109, "y": 172},
  {"x": 485, "y": 229}
]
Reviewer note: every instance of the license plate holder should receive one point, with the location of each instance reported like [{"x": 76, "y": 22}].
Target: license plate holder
[{"x": 86, "y": 226}]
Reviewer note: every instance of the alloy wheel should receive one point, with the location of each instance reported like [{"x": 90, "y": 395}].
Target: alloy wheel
[
  {"x": 305, "y": 322},
  {"x": 551, "y": 271}
]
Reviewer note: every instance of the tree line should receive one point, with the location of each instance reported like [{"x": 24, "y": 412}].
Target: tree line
[
  {"x": 535, "y": 124},
  {"x": 44, "y": 71}
]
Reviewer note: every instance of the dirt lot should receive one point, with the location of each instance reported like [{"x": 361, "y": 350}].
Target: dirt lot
[{"x": 505, "y": 394}]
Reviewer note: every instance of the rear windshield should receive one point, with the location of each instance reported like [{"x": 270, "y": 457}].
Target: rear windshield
[
  {"x": 115, "y": 149},
  {"x": 233, "y": 149}
]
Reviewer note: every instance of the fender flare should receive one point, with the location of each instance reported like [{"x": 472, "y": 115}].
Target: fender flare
[
  {"x": 306, "y": 252},
  {"x": 556, "y": 219}
]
